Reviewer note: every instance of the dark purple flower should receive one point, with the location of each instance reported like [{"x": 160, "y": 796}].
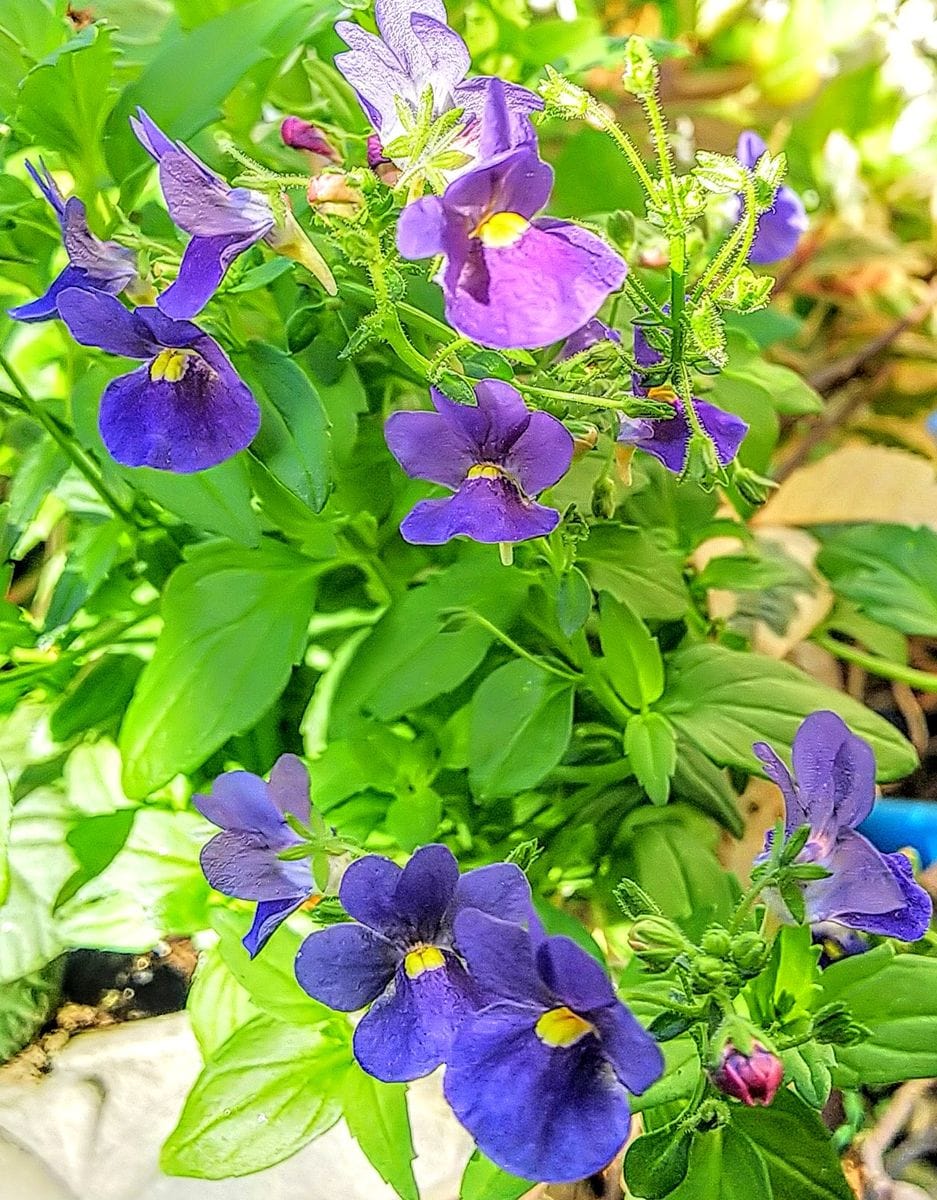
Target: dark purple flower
[
  {"x": 837, "y": 941},
  {"x": 540, "y": 1075},
  {"x": 496, "y": 456},
  {"x": 783, "y": 225},
  {"x": 93, "y": 265},
  {"x": 415, "y": 52},
  {"x": 832, "y": 789},
  {"x": 401, "y": 956},
  {"x": 668, "y": 438},
  {"x": 185, "y": 409},
  {"x": 223, "y": 221},
  {"x": 510, "y": 279},
  {"x": 243, "y": 860},
  {"x": 300, "y": 135},
  {"x": 752, "y": 1078},
  {"x": 589, "y": 335}
]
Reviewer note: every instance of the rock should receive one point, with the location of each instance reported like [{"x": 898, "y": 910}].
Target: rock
[{"x": 92, "y": 1130}]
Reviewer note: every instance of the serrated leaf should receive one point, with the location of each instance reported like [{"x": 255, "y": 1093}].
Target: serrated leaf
[
  {"x": 482, "y": 1180},
  {"x": 376, "y": 1114}
]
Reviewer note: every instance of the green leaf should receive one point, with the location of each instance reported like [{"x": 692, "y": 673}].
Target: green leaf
[
  {"x": 294, "y": 441},
  {"x": 215, "y": 501},
  {"x": 783, "y": 388},
  {"x": 573, "y": 601},
  {"x": 895, "y": 997},
  {"x": 98, "y": 695},
  {"x": 217, "y": 1005},
  {"x": 482, "y": 1180},
  {"x": 724, "y": 700},
  {"x": 417, "y": 652},
  {"x": 6, "y": 819},
  {"x": 651, "y": 746},
  {"x": 235, "y": 623},
  {"x": 95, "y": 842},
  {"x": 701, "y": 783},
  {"x": 795, "y": 1146},
  {"x": 623, "y": 561},
  {"x": 413, "y": 817},
  {"x": 632, "y": 656},
  {"x": 270, "y": 1090},
  {"x": 726, "y": 1165},
  {"x": 376, "y": 1114},
  {"x": 810, "y": 1069},
  {"x": 788, "y": 990},
  {"x": 658, "y": 1162},
  {"x": 520, "y": 725},
  {"x": 91, "y": 557},
  {"x": 25, "y": 1006},
  {"x": 888, "y": 571}
]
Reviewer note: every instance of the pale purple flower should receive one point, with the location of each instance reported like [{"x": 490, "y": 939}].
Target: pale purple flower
[
  {"x": 495, "y": 456},
  {"x": 510, "y": 279},
  {"x": 832, "y": 789},
  {"x": 93, "y": 265},
  {"x": 185, "y": 409},
  {"x": 783, "y": 225}
]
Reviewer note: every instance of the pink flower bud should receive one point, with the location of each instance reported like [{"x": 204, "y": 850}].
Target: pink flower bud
[
  {"x": 331, "y": 193},
  {"x": 752, "y": 1078},
  {"x": 300, "y": 135}
]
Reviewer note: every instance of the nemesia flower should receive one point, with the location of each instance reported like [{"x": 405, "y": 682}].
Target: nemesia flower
[
  {"x": 300, "y": 135},
  {"x": 668, "y": 438},
  {"x": 223, "y": 221},
  {"x": 401, "y": 956},
  {"x": 832, "y": 790},
  {"x": 185, "y": 409},
  {"x": 92, "y": 264},
  {"x": 416, "y": 51},
  {"x": 243, "y": 860},
  {"x": 495, "y": 456},
  {"x": 540, "y": 1075},
  {"x": 589, "y": 335},
  {"x": 752, "y": 1078},
  {"x": 783, "y": 225}
]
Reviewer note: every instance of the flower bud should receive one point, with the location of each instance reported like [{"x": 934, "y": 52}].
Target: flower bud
[
  {"x": 387, "y": 171},
  {"x": 716, "y": 941},
  {"x": 603, "y": 497},
  {"x": 656, "y": 941},
  {"x": 749, "y": 952},
  {"x": 300, "y": 135},
  {"x": 710, "y": 971},
  {"x": 752, "y": 1078},
  {"x": 331, "y": 193}
]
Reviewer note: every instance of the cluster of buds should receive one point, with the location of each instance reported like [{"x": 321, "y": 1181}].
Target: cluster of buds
[{"x": 721, "y": 959}]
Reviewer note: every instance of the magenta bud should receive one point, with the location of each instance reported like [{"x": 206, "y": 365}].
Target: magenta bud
[
  {"x": 300, "y": 135},
  {"x": 752, "y": 1078},
  {"x": 375, "y": 152}
]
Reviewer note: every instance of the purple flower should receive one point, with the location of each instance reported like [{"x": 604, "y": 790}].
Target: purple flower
[
  {"x": 402, "y": 957},
  {"x": 495, "y": 456},
  {"x": 540, "y": 1075},
  {"x": 782, "y": 226},
  {"x": 415, "y": 52},
  {"x": 837, "y": 941},
  {"x": 510, "y": 279},
  {"x": 832, "y": 790},
  {"x": 752, "y": 1078},
  {"x": 589, "y": 335},
  {"x": 185, "y": 409},
  {"x": 243, "y": 860},
  {"x": 668, "y": 438},
  {"x": 92, "y": 264},
  {"x": 223, "y": 221}
]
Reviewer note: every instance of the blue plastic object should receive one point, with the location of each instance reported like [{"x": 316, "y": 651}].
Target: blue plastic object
[{"x": 895, "y": 823}]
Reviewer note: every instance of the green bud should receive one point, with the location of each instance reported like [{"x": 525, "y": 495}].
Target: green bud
[
  {"x": 620, "y": 228},
  {"x": 603, "y": 498},
  {"x": 632, "y": 899},
  {"x": 702, "y": 465},
  {"x": 656, "y": 941},
  {"x": 749, "y": 952},
  {"x": 639, "y": 70},
  {"x": 710, "y": 970},
  {"x": 833, "y": 1025},
  {"x": 716, "y": 941},
  {"x": 753, "y": 487},
  {"x": 563, "y": 96}
]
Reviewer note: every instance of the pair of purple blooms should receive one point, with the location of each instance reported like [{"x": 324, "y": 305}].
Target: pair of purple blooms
[{"x": 455, "y": 969}]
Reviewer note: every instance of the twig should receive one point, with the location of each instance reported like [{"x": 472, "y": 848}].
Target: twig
[{"x": 878, "y": 1184}]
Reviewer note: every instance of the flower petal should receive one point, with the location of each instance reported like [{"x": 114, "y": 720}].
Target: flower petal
[
  {"x": 367, "y": 893},
  {"x": 345, "y": 966},
  {"x": 244, "y": 864},
  {"x": 543, "y": 1112},
  {"x": 541, "y": 456},
  {"x": 573, "y": 975},
  {"x": 501, "y": 890},
  {"x": 911, "y": 919},
  {"x": 203, "y": 266},
  {"x": 111, "y": 266},
  {"x": 428, "y": 446},
  {"x": 726, "y": 429},
  {"x": 422, "y": 228},
  {"x": 408, "y": 1031},
  {"x": 425, "y": 890},
  {"x": 269, "y": 916},
  {"x": 487, "y": 510},
  {"x": 46, "y": 306},
  {"x": 288, "y": 788},
  {"x": 862, "y": 883},
  {"x": 240, "y": 800},
  {"x": 500, "y": 958},
  {"x": 95, "y": 319},
  {"x": 779, "y": 229},
  {"x": 590, "y": 334},
  {"x": 835, "y": 771},
  {"x": 633, "y": 1053}
]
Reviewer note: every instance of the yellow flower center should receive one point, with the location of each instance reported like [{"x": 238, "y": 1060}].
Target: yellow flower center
[
  {"x": 485, "y": 471},
  {"x": 501, "y": 229},
  {"x": 422, "y": 959},
  {"x": 562, "y": 1027},
  {"x": 170, "y": 365}
]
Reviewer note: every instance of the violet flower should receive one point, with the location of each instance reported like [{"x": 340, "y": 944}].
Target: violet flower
[
  {"x": 668, "y": 438},
  {"x": 243, "y": 860},
  {"x": 401, "y": 956},
  {"x": 416, "y": 51},
  {"x": 540, "y": 1075},
  {"x": 185, "y": 409},
  {"x": 589, "y": 335},
  {"x": 752, "y": 1078},
  {"x": 495, "y": 456},
  {"x": 832, "y": 789},
  {"x": 510, "y": 279},
  {"x": 93, "y": 265},
  {"x": 783, "y": 225}
]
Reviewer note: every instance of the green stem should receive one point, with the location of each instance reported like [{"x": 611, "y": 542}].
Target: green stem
[
  {"x": 516, "y": 647},
  {"x": 747, "y": 903},
  {"x": 734, "y": 250},
  {"x": 592, "y": 773},
  {"x": 662, "y": 146},
  {"x": 572, "y": 397},
  {"x": 688, "y": 1010},
  {"x": 677, "y": 298},
  {"x": 924, "y": 681},
  {"x": 642, "y": 297},
  {"x": 78, "y": 457},
  {"x": 393, "y": 330},
  {"x": 685, "y": 389},
  {"x": 622, "y": 140}
]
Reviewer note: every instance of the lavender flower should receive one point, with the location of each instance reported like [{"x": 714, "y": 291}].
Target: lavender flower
[
  {"x": 417, "y": 52},
  {"x": 783, "y": 225},
  {"x": 540, "y": 1075},
  {"x": 832, "y": 790},
  {"x": 495, "y": 457},
  {"x": 185, "y": 409},
  {"x": 243, "y": 860},
  {"x": 92, "y": 264},
  {"x": 510, "y": 279},
  {"x": 402, "y": 957},
  {"x": 752, "y": 1078}
]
